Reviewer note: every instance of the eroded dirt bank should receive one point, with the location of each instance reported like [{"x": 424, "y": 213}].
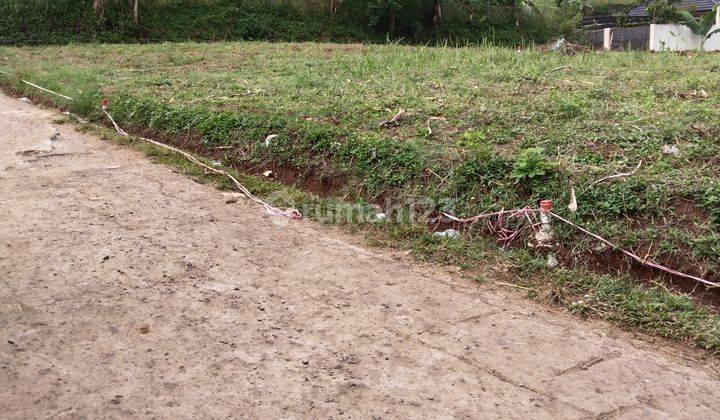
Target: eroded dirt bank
[{"x": 130, "y": 290}]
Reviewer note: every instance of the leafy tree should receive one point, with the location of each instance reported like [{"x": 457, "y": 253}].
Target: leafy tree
[
  {"x": 134, "y": 5},
  {"x": 99, "y": 8},
  {"x": 403, "y": 16}
]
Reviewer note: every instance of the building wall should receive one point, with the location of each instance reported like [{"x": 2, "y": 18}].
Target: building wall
[
  {"x": 681, "y": 38},
  {"x": 713, "y": 43},
  {"x": 656, "y": 37},
  {"x": 672, "y": 37}
]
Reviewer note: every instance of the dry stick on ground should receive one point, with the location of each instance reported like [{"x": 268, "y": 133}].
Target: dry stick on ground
[
  {"x": 291, "y": 213},
  {"x": 36, "y": 86},
  {"x": 501, "y": 283},
  {"x": 394, "y": 119},
  {"x": 620, "y": 175},
  {"x": 526, "y": 77},
  {"x": 434, "y": 173},
  {"x": 442, "y": 179},
  {"x": 635, "y": 256},
  {"x": 433, "y": 119},
  {"x": 558, "y": 69}
]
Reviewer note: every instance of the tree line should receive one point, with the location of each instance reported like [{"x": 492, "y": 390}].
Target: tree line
[
  {"x": 455, "y": 22},
  {"x": 132, "y": 5},
  {"x": 383, "y": 14}
]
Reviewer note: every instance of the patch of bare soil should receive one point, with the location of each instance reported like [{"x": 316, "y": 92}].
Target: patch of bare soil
[{"x": 128, "y": 290}]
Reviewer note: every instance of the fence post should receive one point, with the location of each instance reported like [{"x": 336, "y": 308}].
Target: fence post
[
  {"x": 651, "y": 42},
  {"x": 607, "y": 38}
]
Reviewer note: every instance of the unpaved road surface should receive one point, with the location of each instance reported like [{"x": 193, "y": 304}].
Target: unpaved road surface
[{"x": 128, "y": 290}]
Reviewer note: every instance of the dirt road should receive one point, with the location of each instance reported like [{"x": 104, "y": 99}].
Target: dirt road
[{"x": 130, "y": 290}]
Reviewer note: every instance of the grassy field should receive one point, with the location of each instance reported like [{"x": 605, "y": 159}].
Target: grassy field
[{"x": 482, "y": 129}]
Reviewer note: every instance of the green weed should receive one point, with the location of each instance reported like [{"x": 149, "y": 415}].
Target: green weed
[{"x": 531, "y": 164}]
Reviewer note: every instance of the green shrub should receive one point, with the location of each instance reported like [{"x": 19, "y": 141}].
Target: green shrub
[
  {"x": 531, "y": 164},
  {"x": 381, "y": 164},
  {"x": 624, "y": 197},
  {"x": 711, "y": 203}
]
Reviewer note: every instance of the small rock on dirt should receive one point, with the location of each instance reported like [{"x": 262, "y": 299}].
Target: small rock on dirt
[
  {"x": 449, "y": 234},
  {"x": 552, "y": 261},
  {"x": 671, "y": 149},
  {"x": 269, "y": 139},
  {"x": 349, "y": 359}
]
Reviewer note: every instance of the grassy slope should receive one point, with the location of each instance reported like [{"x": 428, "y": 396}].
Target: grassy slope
[{"x": 595, "y": 114}]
